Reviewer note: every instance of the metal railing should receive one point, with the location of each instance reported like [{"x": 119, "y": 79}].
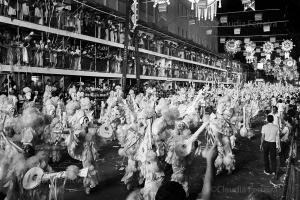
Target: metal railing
[{"x": 291, "y": 190}]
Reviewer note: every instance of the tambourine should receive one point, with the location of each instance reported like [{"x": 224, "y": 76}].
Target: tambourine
[
  {"x": 184, "y": 148},
  {"x": 35, "y": 176},
  {"x": 105, "y": 131},
  {"x": 32, "y": 178}
]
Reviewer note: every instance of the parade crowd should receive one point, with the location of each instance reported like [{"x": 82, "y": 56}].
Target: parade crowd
[{"x": 157, "y": 136}]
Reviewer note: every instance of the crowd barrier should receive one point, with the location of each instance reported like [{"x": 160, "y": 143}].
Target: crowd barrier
[{"x": 291, "y": 189}]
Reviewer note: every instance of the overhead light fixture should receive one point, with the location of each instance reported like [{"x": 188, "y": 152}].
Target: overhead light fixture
[{"x": 222, "y": 40}]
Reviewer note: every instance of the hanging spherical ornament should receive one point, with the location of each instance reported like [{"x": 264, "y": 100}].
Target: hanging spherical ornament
[
  {"x": 276, "y": 68},
  {"x": 250, "y": 47},
  {"x": 287, "y": 46},
  {"x": 250, "y": 57},
  {"x": 277, "y": 61},
  {"x": 232, "y": 46},
  {"x": 263, "y": 61},
  {"x": 268, "y": 48},
  {"x": 290, "y": 62},
  {"x": 250, "y": 51}
]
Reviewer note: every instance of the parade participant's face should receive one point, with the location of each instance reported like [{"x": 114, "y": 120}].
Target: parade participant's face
[
  {"x": 73, "y": 96},
  {"x": 114, "y": 126},
  {"x": 28, "y": 95},
  {"x": 43, "y": 164},
  {"x": 122, "y": 120},
  {"x": 52, "y": 113},
  {"x": 85, "y": 121},
  {"x": 12, "y": 111}
]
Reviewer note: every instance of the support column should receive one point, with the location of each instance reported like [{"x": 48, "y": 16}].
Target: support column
[
  {"x": 137, "y": 59},
  {"x": 126, "y": 44}
]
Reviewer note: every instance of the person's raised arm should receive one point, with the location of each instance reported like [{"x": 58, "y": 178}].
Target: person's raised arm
[
  {"x": 209, "y": 174},
  {"x": 262, "y": 138}
]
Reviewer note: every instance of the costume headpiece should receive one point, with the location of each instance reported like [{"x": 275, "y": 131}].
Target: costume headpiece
[{"x": 27, "y": 90}]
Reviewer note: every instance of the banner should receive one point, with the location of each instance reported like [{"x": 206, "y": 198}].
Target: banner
[
  {"x": 223, "y": 19},
  {"x": 237, "y": 31},
  {"x": 258, "y": 17}
]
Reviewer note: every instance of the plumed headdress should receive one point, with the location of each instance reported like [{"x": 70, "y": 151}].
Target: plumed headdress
[
  {"x": 85, "y": 103},
  {"x": 72, "y": 90},
  {"x": 71, "y": 107},
  {"x": 27, "y": 90}
]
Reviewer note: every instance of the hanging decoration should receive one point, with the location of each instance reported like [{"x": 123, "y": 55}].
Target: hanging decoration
[
  {"x": 246, "y": 40},
  {"x": 277, "y": 61},
  {"x": 268, "y": 67},
  {"x": 237, "y": 31},
  {"x": 289, "y": 62},
  {"x": 278, "y": 51},
  {"x": 255, "y": 63},
  {"x": 206, "y": 9},
  {"x": 258, "y": 17},
  {"x": 263, "y": 61},
  {"x": 268, "y": 48},
  {"x": 232, "y": 46},
  {"x": 209, "y": 32},
  {"x": 267, "y": 28},
  {"x": 162, "y": 4},
  {"x": 193, "y": 2},
  {"x": 223, "y": 19},
  {"x": 248, "y": 4},
  {"x": 250, "y": 51},
  {"x": 287, "y": 46},
  {"x": 276, "y": 69},
  {"x": 273, "y": 39}
]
